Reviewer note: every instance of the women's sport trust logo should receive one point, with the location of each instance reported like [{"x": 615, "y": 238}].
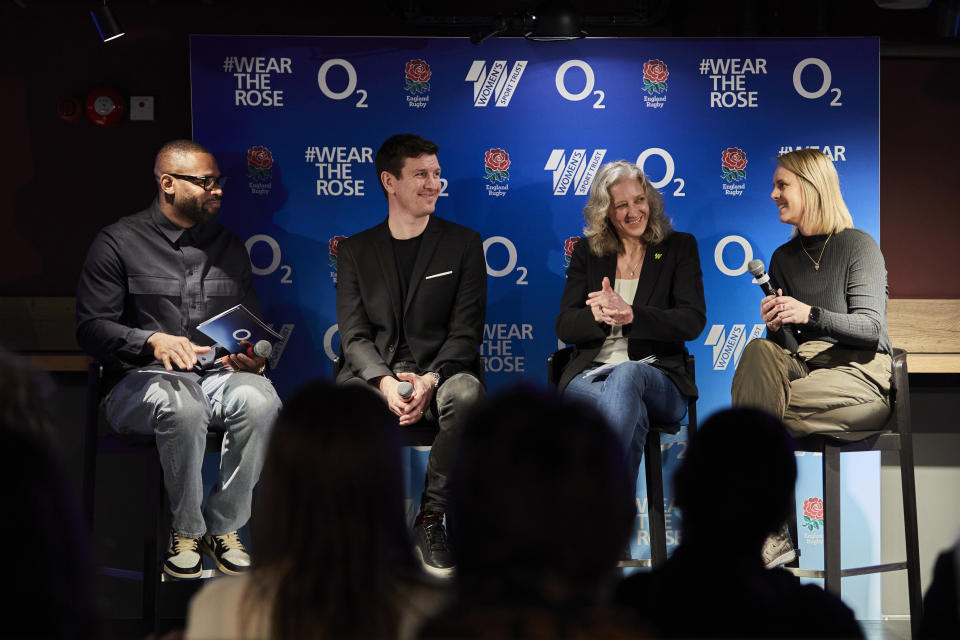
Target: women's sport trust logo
[
  {"x": 417, "y": 76},
  {"x": 568, "y": 246},
  {"x": 813, "y": 514}
]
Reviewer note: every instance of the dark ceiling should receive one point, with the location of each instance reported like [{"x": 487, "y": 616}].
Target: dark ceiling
[{"x": 931, "y": 30}]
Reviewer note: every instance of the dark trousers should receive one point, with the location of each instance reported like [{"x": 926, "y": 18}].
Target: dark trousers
[{"x": 449, "y": 408}]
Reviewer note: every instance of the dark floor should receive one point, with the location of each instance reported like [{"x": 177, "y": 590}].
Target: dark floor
[{"x": 133, "y": 629}]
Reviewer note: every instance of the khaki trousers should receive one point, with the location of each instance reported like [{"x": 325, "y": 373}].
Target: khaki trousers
[{"x": 823, "y": 388}]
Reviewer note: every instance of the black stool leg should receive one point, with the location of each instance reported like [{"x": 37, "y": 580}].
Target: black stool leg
[
  {"x": 831, "y": 510},
  {"x": 153, "y": 540},
  {"x": 656, "y": 519},
  {"x": 911, "y": 536},
  {"x": 794, "y": 534}
]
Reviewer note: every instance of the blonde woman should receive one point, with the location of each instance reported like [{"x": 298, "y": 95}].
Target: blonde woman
[{"x": 833, "y": 296}]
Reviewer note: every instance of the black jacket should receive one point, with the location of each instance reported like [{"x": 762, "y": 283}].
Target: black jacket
[
  {"x": 443, "y": 313},
  {"x": 668, "y": 308}
]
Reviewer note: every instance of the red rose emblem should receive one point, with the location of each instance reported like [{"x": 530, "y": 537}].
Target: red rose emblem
[
  {"x": 418, "y": 71},
  {"x": 497, "y": 159},
  {"x": 813, "y": 508},
  {"x": 259, "y": 157},
  {"x": 655, "y": 71},
  {"x": 335, "y": 245},
  {"x": 734, "y": 159},
  {"x": 569, "y": 245}
]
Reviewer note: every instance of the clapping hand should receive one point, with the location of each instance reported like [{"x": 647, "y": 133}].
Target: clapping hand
[{"x": 608, "y": 307}]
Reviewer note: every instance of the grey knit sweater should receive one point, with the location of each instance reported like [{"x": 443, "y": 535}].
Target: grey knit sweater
[{"x": 850, "y": 288}]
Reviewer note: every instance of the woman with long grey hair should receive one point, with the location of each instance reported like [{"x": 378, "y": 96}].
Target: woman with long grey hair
[{"x": 634, "y": 295}]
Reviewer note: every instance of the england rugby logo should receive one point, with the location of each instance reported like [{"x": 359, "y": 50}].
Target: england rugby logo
[
  {"x": 417, "y": 74},
  {"x": 732, "y": 164},
  {"x": 655, "y": 76},
  {"x": 496, "y": 162},
  {"x": 568, "y": 246},
  {"x": 334, "y": 248},
  {"x": 259, "y": 163}
]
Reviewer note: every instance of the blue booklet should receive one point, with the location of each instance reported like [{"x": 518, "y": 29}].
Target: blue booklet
[{"x": 236, "y": 325}]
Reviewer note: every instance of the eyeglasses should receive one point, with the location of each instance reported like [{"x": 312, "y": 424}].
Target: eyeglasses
[{"x": 207, "y": 183}]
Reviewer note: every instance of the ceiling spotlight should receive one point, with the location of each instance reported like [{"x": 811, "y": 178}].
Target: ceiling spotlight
[
  {"x": 552, "y": 25},
  {"x": 106, "y": 24}
]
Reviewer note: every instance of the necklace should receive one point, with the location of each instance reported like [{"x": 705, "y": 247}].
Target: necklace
[
  {"x": 633, "y": 269},
  {"x": 816, "y": 263}
]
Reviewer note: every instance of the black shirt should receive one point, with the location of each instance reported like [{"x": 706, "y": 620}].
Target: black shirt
[
  {"x": 405, "y": 256},
  {"x": 144, "y": 274}
]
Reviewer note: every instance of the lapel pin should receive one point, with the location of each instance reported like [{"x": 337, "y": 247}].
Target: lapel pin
[{"x": 657, "y": 256}]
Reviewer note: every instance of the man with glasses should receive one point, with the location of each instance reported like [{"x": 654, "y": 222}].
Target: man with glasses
[{"x": 149, "y": 279}]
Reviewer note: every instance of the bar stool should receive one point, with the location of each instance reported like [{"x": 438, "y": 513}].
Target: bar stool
[
  {"x": 653, "y": 465},
  {"x": 896, "y": 435}
]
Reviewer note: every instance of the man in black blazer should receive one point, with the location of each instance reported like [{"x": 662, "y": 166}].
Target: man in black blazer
[{"x": 411, "y": 300}]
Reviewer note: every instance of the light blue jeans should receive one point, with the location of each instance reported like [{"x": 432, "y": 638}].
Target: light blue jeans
[
  {"x": 178, "y": 409},
  {"x": 630, "y": 397}
]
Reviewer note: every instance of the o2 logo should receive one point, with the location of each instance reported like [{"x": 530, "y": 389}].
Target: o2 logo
[
  {"x": 669, "y": 170},
  {"x": 351, "y": 87},
  {"x": 718, "y": 255},
  {"x": 275, "y": 258},
  {"x": 511, "y": 259},
  {"x": 561, "y": 82},
  {"x": 328, "y": 336},
  {"x": 824, "y": 86}
]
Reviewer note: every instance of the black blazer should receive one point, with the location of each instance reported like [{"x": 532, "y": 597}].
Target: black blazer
[
  {"x": 443, "y": 313},
  {"x": 668, "y": 308}
]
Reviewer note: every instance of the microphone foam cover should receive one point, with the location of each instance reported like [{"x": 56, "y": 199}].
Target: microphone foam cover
[
  {"x": 755, "y": 267},
  {"x": 405, "y": 390},
  {"x": 263, "y": 349}
]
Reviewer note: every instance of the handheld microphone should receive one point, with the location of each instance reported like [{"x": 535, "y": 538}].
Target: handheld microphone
[
  {"x": 755, "y": 267},
  {"x": 405, "y": 390},
  {"x": 261, "y": 349}
]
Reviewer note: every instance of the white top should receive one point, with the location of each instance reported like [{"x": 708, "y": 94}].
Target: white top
[{"x": 614, "y": 349}]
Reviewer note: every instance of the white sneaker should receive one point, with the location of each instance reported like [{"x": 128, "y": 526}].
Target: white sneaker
[
  {"x": 228, "y": 552},
  {"x": 183, "y": 558},
  {"x": 778, "y": 549}
]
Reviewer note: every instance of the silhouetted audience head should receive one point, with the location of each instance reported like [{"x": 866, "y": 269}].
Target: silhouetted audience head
[
  {"x": 734, "y": 486},
  {"x": 739, "y": 468},
  {"x": 941, "y": 603},
  {"x": 541, "y": 501},
  {"x": 330, "y": 529},
  {"x": 47, "y": 556}
]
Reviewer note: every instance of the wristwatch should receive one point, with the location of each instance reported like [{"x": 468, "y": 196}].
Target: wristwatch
[
  {"x": 814, "y": 315},
  {"x": 436, "y": 379}
]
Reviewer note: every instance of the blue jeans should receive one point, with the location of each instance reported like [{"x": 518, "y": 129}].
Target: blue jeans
[
  {"x": 178, "y": 409},
  {"x": 630, "y": 397}
]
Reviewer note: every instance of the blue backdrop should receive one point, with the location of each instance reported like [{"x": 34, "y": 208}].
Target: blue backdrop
[{"x": 522, "y": 128}]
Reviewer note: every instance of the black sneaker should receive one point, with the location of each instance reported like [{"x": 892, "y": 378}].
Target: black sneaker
[
  {"x": 431, "y": 544},
  {"x": 228, "y": 552},
  {"x": 182, "y": 560}
]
